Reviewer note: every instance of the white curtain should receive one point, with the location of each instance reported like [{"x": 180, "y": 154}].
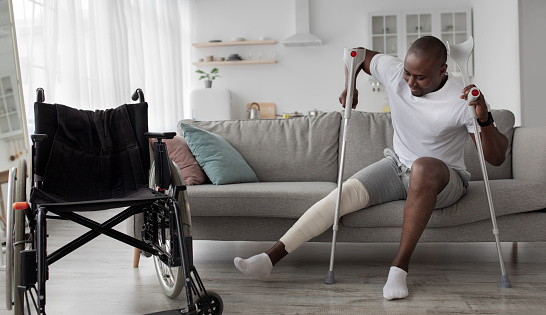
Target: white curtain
[{"x": 95, "y": 54}]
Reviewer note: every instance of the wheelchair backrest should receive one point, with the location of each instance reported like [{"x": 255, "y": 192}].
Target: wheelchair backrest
[{"x": 91, "y": 155}]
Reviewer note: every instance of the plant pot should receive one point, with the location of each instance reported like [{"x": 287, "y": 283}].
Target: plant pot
[{"x": 208, "y": 84}]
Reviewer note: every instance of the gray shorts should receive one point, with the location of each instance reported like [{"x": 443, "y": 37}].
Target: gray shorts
[{"x": 388, "y": 180}]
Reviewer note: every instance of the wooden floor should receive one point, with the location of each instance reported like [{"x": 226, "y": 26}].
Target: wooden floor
[{"x": 459, "y": 278}]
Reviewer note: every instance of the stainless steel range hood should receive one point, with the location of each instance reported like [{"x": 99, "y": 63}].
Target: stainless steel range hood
[{"x": 303, "y": 36}]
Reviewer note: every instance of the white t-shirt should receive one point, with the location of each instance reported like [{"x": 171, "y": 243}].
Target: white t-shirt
[{"x": 434, "y": 125}]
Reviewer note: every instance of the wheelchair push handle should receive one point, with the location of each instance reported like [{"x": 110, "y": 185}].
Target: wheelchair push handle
[
  {"x": 40, "y": 95},
  {"x": 138, "y": 95}
]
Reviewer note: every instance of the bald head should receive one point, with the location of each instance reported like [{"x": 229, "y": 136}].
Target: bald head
[
  {"x": 431, "y": 48},
  {"x": 425, "y": 66}
]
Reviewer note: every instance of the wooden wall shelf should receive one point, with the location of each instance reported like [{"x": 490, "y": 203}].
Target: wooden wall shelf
[
  {"x": 237, "y": 62},
  {"x": 235, "y": 43}
]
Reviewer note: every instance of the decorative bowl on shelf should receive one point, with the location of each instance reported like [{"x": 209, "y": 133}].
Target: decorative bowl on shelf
[{"x": 234, "y": 57}]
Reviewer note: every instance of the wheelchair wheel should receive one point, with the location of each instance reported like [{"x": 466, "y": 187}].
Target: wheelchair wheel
[
  {"x": 15, "y": 232},
  {"x": 211, "y": 304},
  {"x": 170, "y": 278}
]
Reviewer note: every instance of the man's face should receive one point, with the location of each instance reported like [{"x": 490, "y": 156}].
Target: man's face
[{"x": 423, "y": 75}]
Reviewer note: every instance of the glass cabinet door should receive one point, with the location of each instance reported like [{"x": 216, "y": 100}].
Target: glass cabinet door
[
  {"x": 455, "y": 29},
  {"x": 393, "y": 33},
  {"x": 385, "y": 34},
  {"x": 417, "y": 25}
]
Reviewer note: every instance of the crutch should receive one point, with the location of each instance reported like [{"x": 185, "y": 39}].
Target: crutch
[
  {"x": 460, "y": 53},
  {"x": 353, "y": 59}
]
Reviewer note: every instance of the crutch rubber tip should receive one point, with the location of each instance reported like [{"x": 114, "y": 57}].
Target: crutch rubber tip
[
  {"x": 505, "y": 282},
  {"x": 330, "y": 278}
]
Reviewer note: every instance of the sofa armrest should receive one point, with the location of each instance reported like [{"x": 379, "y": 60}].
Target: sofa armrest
[{"x": 529, "y": 153}]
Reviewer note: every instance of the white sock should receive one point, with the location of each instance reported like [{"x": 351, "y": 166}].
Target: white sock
[
  {"x": 259, "y": 265},
  {"x": 396, "y": 287}
]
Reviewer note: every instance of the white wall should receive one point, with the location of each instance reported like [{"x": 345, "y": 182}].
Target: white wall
[
  {"x": 312, "y": 77},
  {"x": 532, "y": 48},
  {"x": 496, "y": 60}
]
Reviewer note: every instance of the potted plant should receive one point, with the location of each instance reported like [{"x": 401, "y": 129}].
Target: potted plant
[{"x": 208, "y": 76}]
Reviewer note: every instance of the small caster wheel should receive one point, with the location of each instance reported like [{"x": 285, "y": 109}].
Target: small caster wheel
[{"x": 211, "y": 304}]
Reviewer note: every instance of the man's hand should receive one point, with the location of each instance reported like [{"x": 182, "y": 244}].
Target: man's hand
[
  {"x": 481, "y": 106},
  {"x": 366, "y": 67},
  {"x": 343, "y": 97},
  {"x": 494, "y": 143}
]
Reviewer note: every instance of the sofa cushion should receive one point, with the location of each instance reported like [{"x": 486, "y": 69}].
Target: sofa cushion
[
  {"x": 220, "y": 161},
  {"x": 368, "y": 135},
  {"x": 181, "y": 154},
  {"x": 263, "y": 199},
  {"x": 505, "y": 124},
  {"x": 298, "y": 149},
  {"x": 529, "y": 153},
  {"x": 509, "y": 196}
]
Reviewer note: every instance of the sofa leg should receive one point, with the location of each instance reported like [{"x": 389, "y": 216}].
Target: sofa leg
[
  {"x": 514, "y": 252},
  {"x": 136, "y": 257}
]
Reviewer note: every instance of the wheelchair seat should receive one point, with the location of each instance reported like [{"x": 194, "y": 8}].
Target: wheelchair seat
[{"x": 141, "y": 197}]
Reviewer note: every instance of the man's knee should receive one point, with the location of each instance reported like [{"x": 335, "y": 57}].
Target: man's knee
[{"x": 428, "y": 173}]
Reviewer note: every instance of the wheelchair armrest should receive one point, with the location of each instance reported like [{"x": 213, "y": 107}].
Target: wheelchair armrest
[
  {"x": 38, "y": 137},
  {"x": 161, "y": 158},
  {"x": 160, "y": 135}
]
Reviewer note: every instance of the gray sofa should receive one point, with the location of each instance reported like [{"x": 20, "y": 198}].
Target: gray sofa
[{"x": 296, "y": 162}]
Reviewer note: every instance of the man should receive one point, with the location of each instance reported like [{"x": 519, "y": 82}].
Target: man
[{"x": 431, "y": 125}]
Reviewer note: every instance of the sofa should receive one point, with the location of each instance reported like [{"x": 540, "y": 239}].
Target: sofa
[{"x": 296, "y": 163}]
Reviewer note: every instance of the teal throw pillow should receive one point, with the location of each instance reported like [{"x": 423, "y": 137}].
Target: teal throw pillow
[{"x": 222, "y": 163}]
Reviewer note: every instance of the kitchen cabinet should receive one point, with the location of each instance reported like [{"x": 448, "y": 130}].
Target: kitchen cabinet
[
  {"x": 393, "y": 33},
  {"x": 235, "y": 43},
  {"x": 10, "y": 117}
]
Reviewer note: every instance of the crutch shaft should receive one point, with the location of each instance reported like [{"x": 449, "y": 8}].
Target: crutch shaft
[
  {"x": 488, "y": 194},
  {"x": 473, "y": 95},
  {"x": 353, "y": 59},
  {"x": 335, "y": 227}
]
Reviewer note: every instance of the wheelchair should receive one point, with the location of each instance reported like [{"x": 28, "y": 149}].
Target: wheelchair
[{"x": 91, "y": 161}]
